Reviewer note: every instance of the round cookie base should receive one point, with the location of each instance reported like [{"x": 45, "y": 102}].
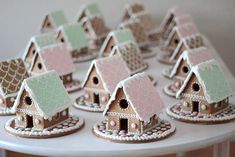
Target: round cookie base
[
  {"x": 226, "y": 115},
  {"x": 166, "y": 72},
  {"x": 151, "y": 52},
  {"x": 81, "y": 104},
  {"x": 68, "y": 126},
  {"x": 164, "y": 59},
  {"x": 168, "y": 91},
  {"x": 73, "y": 86},
  {"x": 158, "y": 132},
  {"x": 89, "y": 56}
]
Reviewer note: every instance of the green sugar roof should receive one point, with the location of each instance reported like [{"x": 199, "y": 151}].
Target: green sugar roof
[
  {"x": 123, "y": 35},
  {"x": 93, "y": 9},
  {"x": 44, "y": 40},
  {"x": 58, "y": 18},
  {"x": 75, "y": 36}
]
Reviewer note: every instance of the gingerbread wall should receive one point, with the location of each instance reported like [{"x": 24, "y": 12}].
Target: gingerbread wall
[
  {"x": 37, "y": 65},
  {"x": 119, "y": 113},
  {"x": 108, "y": 47},
  {"x": 30, "y": 54},
  {"x": 174, "y": 41},
  {"x": 180, "y": 72},
  {"x": 47, "y": 25}
]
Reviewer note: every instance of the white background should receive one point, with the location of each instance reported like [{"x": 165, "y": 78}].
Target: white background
[{"x": 20, "y": 19}]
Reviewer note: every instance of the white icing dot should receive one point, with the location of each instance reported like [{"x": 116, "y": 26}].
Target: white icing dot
[
  {"x": 203, "y": 107},
  {"x": 216, "y": 105},
  {"x": 185, "y": 104},
  {"x": 1, "y": 101},
  {"x": 64, "y": 113},
  {"x": 19, "y": 118},
  {"x": 36, "y": 121},
  {"x": 112, "y": 123},
  {"x": 87, "y": 96},
  {"x": 12, "y": 99},
  {"x": 133, "y": 126},
  {"x": 50, "y": 119},
  {"x": 177, "y": 84},
  {"x": 103, "y": 99}
]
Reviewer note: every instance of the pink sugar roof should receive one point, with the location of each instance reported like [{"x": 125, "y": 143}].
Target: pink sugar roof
[
  {"x": 57, "y": 57},
  {"x": 111, "y": 71},
  {"x": 193, "y": 57},
  {"x": 142, "y": 96},
  {"x": 187, "y": 30}
]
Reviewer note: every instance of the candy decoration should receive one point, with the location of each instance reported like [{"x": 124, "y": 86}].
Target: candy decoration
[
  {"x": 203, "y": 107},
  {"x": 112, "y": 123},
  {"x": 185, "y": 104},
  {"x": 87, "y": 96},
  {"x": 133, "y": 126},
  {"x": 19, "y": 118},
  {"x": 103, "y": 99},
  {"x": 36, "y": 121}
]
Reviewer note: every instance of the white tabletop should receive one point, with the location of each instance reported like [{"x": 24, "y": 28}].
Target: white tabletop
[{"x": 84, "y": 143}]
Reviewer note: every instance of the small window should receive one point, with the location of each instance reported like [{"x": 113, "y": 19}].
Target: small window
[
  {"x": 176, "y": 41},
  {"x": 86, "y": 29},
  {"x": 185, "y": 69},
  {"x": 95, "y": 80},
  {"x": 28, "y": 100},
  {"x": 62, "y": 40},
  {"x": 39, "y": 66},
  {"x": 123, "y": 103},
  {"x": 196, "y": 87},
  {"x": 34, "y": 51},
  {"x": 48, "y": 24},
  {"x": 111, "y": 47}
]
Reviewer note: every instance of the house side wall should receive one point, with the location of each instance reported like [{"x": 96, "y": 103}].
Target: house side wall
[
  {"x": 47, "y": 25},
  {"x": 115, "y": 113},
  {"x": 180, "y": 51},
  {"x": 91, "y": 88},
  {"x": 180, "y": 73},
  {"x": 111, "y": 43},
  {"x": 173, "y": 44},
  {"x": 36, "y": 68}
]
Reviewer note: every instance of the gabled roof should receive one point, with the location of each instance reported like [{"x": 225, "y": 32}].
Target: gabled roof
[
  {"x": 40, "y": 41},
  {"x": 137, "y": 31},
  {"x": 131, "y": 54},
  {"x": 75, "y": 35},
  {"x": 56, "y": 57},
  {"x": 145, "y": 19},
  {"x": 119, "y": 36},
  {"x": 141, "y": 95},
  {"x": 193, "y": 57},
  {"x": 96, "y": 26},
  {"x": 134, "y": 8},
  {"x": 111, "y": 70},
  {"x": 12, "y": 74},
  {"x": 90, "y": 10},
  {"x": 212, "y": 79},
  {"x": 57, "y": 18},
  {"x": 176, "y": 11},
  {"x": 183, "y": 31},
  {"x": 191, "y": 42},
  {"x": 48, "y": 93}
]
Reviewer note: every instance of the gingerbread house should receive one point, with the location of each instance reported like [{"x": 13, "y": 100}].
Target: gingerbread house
[
  {"x": 187, "y": 60},
  {"x": 131, "y": 9},
  {"x": 187, "y": 43},
  {"x": 102, "y": 77},
  {"x": 114, "y": 38},
  {"x": 146, "y": 21},
  {"x": 12, "y": 74},
  {"x": 35, "y": 44},
  {"x": 89, "y": 10},
  {"x": 53, "y": 20},
  {"x": 138, "y": 32},
  {"x": 95, "y": 30},
  {"x": 134, "y": 105},
  {"x": 175, "y": 17},
  {"x": 178, "y": 33},
  {"x": 42, "y": 102},
  {"x": 74, "y": 36},
  {"x": 54, "y": 57},
  {"x": 205, "y": 90},
  {"x": 131, "y": 54}
]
